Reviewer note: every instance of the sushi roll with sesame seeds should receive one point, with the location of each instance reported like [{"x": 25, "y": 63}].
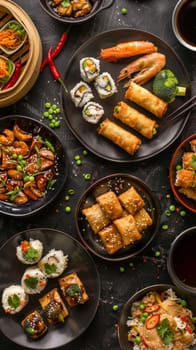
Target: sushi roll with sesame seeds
[
  {"x": 89, "y": 68},
  {"x": 92, "y": 112},
  {"x": 33, "y": 280},
  {"x": 81, "y": 94},
  {"x": 54, "y": 263},
  {"x": 105, "y": 85},
  {"x": 14, "y": 299},
  {"x": 34, "y": 325},
  {"x": 29, "y": 252}
]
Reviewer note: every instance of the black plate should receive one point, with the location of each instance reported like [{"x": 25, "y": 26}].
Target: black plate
[
  {"x": 125, "y": 313},
  {"x": 79, "y": 261},
  {"x": 86, "y": 133},
  {"x": 36, "y": 128},
  {"x": 117, "y": 183}
]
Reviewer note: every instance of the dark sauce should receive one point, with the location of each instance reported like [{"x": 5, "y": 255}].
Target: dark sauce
[
  {"x": 186, "y": 21},
  {"x": 184, "y": 260}
]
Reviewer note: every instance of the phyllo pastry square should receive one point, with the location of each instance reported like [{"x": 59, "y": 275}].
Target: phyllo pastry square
[
  {"x": 131, "y": 200},
  {"x": 53, "y": 307},
  {"x": 142, "y": 220},
  {"x": 34, "y": 325},
  {"x": 73, "y": 289},
  {"x": 111, "y": 239},
  {"x": 95, "y": 217},
  {"x": 110, "y": 205},
  {"x": 128, "y": 230}
]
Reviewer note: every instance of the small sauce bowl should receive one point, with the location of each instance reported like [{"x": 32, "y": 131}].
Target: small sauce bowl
[{"x": 184, "y": 23}]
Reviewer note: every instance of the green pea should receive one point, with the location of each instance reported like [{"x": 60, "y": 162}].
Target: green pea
[
  {"x": 26, "y": 178},
  {"x": 178, "y": 167},
  {"x": 143, "y": 319},
  {"x": 165, "y": 227},
  {"x": 124, "y": 11},
  {"x": 78, "y": 162},
  {"x": 142, "y": 306},
  {"x": 50, "y": 110},
  {"x": 145, "y": 314},
  {"x": 137, "y": 340},
  {"x": 84, "y": 152},
  {"x": 14, "y": 156},
  {"x": 67, "y": 197},
  {"x": 68, "y": 209},
  {"x": 157, "y": 253},
  {"x": 182, "y": 213},
  {"x": 46, "y": 114},
  {"x": 19, "y": 167},
  {"x": 172, "y": 207},
  {"x": 115, "y": 307},
  {"x": 76, "y": 157},
  {"x": 58, "y": 110},
  {"x": 87, "y": 176},
  {"x": 71, "y": 191},
  {"x": 20, "y": 157},
  {"x": 47, "y": 104},
  {"x": 57, "y": 123},
  {"x": 50, "y": 116},
  {"x": 31, "y": 178},
  {"x": 122, "y": 269},
  {"x": 54, "y": 107}
]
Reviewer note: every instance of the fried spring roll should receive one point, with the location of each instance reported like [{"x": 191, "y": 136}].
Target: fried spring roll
[
  {"x": 110, "y": 205},
  {"x": 121, "y": 137},
  {"x": 95, "y": 217},
  {"x": 146, "y": 99},
  {"x": 142, "y": 219},
  {"x": 128, "y": 230},
  {"x": 136, "y": 120},
  {"x": 185, "y": 178},
  {"x": 111, "y": 239},
  {"x": 131, "y": 200},
  {"x": 188, "y": 192}
]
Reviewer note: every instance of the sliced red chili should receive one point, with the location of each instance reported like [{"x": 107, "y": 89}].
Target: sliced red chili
[
  {"x": 152, "y": 308},
  {"x": 14, "y": 77},
  {"x": 189, "y": 329},
  {"x": 152, "y": 321}
]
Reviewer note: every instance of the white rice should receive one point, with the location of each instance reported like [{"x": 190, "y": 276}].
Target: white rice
[
  {"x": 14, "y": 292},
  {"x": 24, "y": 258},
  {"x": 92, "y": 112},
  {"x": 105, "y": 85},
  {"x": 36, "y": 275},
  {"x": 86, "y": 70},
  {"x": 54, "y": 263},
  {"x": 80, "y": 98}
]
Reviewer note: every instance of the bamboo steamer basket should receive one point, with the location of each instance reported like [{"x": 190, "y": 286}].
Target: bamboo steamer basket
[{"x": 30, "y": 53}]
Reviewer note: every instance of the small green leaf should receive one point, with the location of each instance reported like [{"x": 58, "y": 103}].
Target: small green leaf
[
  {"x": 14, "y": 301},
  {"x": 31, "y": 282},
  {"x": 49, "y": 269}
]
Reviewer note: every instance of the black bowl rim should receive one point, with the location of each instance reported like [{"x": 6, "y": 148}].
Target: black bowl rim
[
  {"x": 56, "y": 193},
  {"x": 182, "y": 199}
]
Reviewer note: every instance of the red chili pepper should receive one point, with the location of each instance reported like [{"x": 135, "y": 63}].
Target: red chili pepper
[
  {"x": 57, "y": 49},
  {"x": 14, "y": 77},
  {"x": 189, "y": 329},
  {"x": 152, "y": 308},
  {"x": 55, "y": 73},
  {"x": 152, "y": 321}
]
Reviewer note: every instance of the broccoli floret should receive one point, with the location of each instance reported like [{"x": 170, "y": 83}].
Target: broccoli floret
[{"x": 165, "y": 86}]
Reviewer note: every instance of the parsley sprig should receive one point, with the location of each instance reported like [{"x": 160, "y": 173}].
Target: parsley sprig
[{"x": 164, "y": 331}]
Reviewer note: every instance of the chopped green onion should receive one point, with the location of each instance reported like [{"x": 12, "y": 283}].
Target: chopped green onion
[
  {"x": 122, "y": 269},
  {"x": 172, "y": 207},
  {"x": 87, "y": 176}
]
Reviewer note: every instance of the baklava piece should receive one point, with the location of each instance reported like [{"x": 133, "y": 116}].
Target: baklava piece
[
  {"x": 73, "y": 289},
  {"x": 33, "y": 325},
  {"x": 111, "y": 239},
  {"x": 128, "y": 230},
  {"x": 110, "y": 205},
  {"x": 95, "y": 217},
  {"x": 53, "y": 307},
  {"x": 142, "y": 220},
  {"x": 131, "y": 200}
]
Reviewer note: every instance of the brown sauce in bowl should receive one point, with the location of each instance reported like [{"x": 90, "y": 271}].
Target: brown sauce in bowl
[{"x": 186, "y": 21}]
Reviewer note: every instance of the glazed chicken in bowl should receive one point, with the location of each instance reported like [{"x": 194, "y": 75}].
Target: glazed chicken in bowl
[{"x": 32, "y": 166}]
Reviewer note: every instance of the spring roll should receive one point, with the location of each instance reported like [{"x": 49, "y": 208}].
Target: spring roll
[
  {"x": 131, "y": 200},
  {"x": 185, "y": 178},
  {"x": 142, "y": 219},
  {"x": 128, "y": 230},
  {"x": 111, "y": 239},
  {"x": 121, "y": 137},
  {"x": 146, "y": 99},
  {"x": 95, "y": 217},
  {"x": 136, "y": 120},
  {"x": 188, "y": 192},
  {"x": 193, "y": 145},
  {"x": 110, "y": 205}
]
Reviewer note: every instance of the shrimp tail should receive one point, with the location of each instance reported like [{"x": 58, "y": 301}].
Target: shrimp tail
[
  {"x": 146, "y": 68},
  {"x": 126, "y": 50}
]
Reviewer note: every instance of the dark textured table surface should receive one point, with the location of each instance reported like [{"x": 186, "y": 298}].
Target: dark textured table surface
[{"x": 116, "y": 287}]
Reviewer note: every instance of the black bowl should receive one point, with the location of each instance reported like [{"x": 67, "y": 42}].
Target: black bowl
[
  {"x": 97, "y": 6},
  {"x": 125, "y": 313},
  {"x": 34, "y": 126},
  {"x": 117, "y": 183}
]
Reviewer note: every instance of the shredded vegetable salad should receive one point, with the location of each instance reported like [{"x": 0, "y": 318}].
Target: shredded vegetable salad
[{"x": 161, "y": 321}]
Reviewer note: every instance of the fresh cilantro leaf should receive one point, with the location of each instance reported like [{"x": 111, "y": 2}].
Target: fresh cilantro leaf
[
  {"x": 164, "y": 331},
  {"x": 74, "y": 290},
  {"x": 31, "y": 282},
  {"x": 65, "y": 3},
  {"x": 31, "y": 254},
  {"x": 50, "y": 268},
  {"x": 14, "y": 301},
  {"x": 193, "y": 161}
]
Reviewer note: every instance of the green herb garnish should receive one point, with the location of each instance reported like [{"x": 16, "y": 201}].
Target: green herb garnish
[
  {"x": 65, "y": 3},
  {"x": 193, "y": 161},
  {"x": 31, "y": 282},
  {"x": 164, "y": 331},
  {"x": 74, "y": 290},
  {"x": 49, "y": 269},
  {"x": 31, "y": 254},
  {"x": 14, "y": 301}
]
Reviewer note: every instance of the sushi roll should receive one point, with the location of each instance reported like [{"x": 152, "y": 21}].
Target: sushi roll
[
  {"x": 33, "y": 280},
  {"x": 105, "y": 85},
  {"x": 81, "y": 94},
  {"x": 54, "y": 263},
  {"x": 34, "y": 325},
  {"x": 29, "y": 252},
  {"x": 14, "y": 299},
  {"x": 92, "y": 112},
  {"x": 89, "y": 68}
]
